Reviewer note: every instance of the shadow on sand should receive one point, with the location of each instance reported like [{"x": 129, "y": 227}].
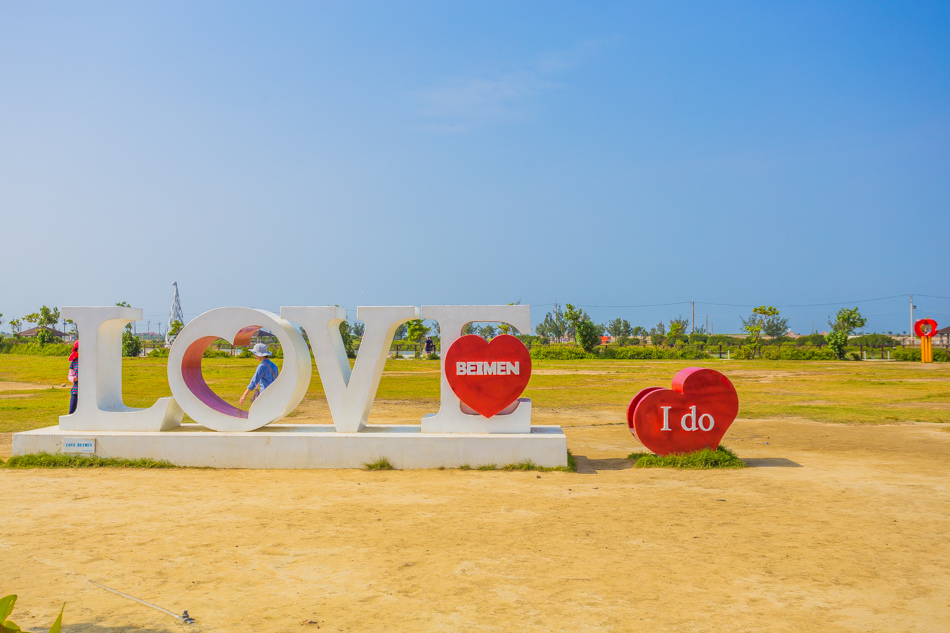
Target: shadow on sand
[
  {"x": 587, "y": 466},
  {"x": 88, "y": 627},
  {"x": 770, "y": 462}
]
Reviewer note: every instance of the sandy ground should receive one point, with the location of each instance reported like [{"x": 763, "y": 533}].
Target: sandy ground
[{"x": 832, "y": 528}]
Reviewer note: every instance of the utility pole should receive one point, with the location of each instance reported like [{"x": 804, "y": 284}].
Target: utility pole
[
  {"x": 692, "y": 319},
  {"x": 912, "y": 306},
  {"x": 707, "y": 325}
]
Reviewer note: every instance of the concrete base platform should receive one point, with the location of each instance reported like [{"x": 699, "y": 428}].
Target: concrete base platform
[{"x": 307, "y": 446}]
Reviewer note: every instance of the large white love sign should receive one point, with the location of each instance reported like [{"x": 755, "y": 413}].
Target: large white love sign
[
  {"x": 482, "y": 419},
  {"x": 350, "y": 392}
]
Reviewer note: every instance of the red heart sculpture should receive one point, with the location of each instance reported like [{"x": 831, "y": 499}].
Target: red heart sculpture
[
  {"x": 693, "y": 415},
  {"x": 488, "y": 376},
  {"x": 921, "y": 332}
]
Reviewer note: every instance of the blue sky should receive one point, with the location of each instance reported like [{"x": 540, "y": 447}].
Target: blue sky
[{"x": 603, "y": 154}]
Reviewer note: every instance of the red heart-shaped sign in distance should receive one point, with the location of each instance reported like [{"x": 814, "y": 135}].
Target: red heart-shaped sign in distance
[
  {"x": 925, "y": 327},
  {"x": 693, "y": 415},
  {"x": 488, "y": 376}
]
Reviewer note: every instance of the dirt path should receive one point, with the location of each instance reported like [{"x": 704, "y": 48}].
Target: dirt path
[
  {"x": 27, "y": 386},
  {"x": 835, "y": 528}
]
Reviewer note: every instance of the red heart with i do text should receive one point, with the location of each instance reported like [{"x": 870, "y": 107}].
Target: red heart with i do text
[
  {"x": 488, "y": 376},
  {"x": 693, "y": 415}
]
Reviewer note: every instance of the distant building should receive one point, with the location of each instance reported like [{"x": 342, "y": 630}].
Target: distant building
[{"x": 33, "y": 331}]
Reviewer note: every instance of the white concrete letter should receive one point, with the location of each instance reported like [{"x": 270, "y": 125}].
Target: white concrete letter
[
  {"x": 100, "y": 406},
  {"x": 451, "y": 417},
  {"x": 237, "y": 325},
  {"x": 712, "y": 422},
  {"x": 350, "y": 392}
]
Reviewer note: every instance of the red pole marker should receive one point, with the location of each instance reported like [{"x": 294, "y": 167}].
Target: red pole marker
[{"x": 926, "y": 329}]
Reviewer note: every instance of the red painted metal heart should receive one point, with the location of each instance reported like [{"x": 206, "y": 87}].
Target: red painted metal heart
[
  {"x": 488, "y": 376},
  {"x": 195, "y": 380},
  {"x": 925, "y": 327},
  {"x": 693, "y": 415}
]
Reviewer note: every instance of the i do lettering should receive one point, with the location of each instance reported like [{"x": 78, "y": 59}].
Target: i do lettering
[{"x": 691, "y": 416}]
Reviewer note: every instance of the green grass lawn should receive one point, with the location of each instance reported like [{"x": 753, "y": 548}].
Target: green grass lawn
[{"x": 845, "y": 392}]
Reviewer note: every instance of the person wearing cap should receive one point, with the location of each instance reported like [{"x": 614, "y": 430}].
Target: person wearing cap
[{"x": 266, "y": 373}]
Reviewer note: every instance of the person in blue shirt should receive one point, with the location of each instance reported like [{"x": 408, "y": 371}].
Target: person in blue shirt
[{"x": 266, "y": 373}]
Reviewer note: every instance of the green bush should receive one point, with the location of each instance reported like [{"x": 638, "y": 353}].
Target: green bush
[
  {"x": 913, "y": 354},
  {"x": 131, "y": 344},
  {"x": 873, "y": 340},
  {"x": 907, "y": 353},
  {"x": 837, "y": 341},
  {"x": 788, "y": 352},
  {"x": 529, "y": 340},
  {"x": 587, "y": 335},
  {"x": 159, "y": 352},
  {"x": 651, "y": 353},
  {"x": 811, "y": 339},
  {"x": 35, "y": 349},
  {"x": 559, "y": 351}
]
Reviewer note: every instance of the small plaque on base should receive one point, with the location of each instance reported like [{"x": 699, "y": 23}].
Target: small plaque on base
[{"x": 79, "y": 445}]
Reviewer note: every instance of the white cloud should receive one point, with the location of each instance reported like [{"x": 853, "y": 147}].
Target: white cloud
[{"x": 462, "y": 104}]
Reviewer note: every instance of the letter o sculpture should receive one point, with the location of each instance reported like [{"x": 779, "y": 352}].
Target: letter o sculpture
[{"x": 206, "y": 407}]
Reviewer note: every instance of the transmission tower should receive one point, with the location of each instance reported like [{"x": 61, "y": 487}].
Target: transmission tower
[{"x": 175, "y": 315}]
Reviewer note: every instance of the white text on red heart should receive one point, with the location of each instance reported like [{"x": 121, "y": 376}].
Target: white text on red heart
[{"x": 697, "y": 424}]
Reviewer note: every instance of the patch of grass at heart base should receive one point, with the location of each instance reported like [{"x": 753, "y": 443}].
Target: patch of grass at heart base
[{"x": 705, "y": 459}]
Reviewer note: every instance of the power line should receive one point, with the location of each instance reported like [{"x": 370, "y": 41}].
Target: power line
[
  {"x": 645, "y": 305},
  {"x": 836, "y": 303}
]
